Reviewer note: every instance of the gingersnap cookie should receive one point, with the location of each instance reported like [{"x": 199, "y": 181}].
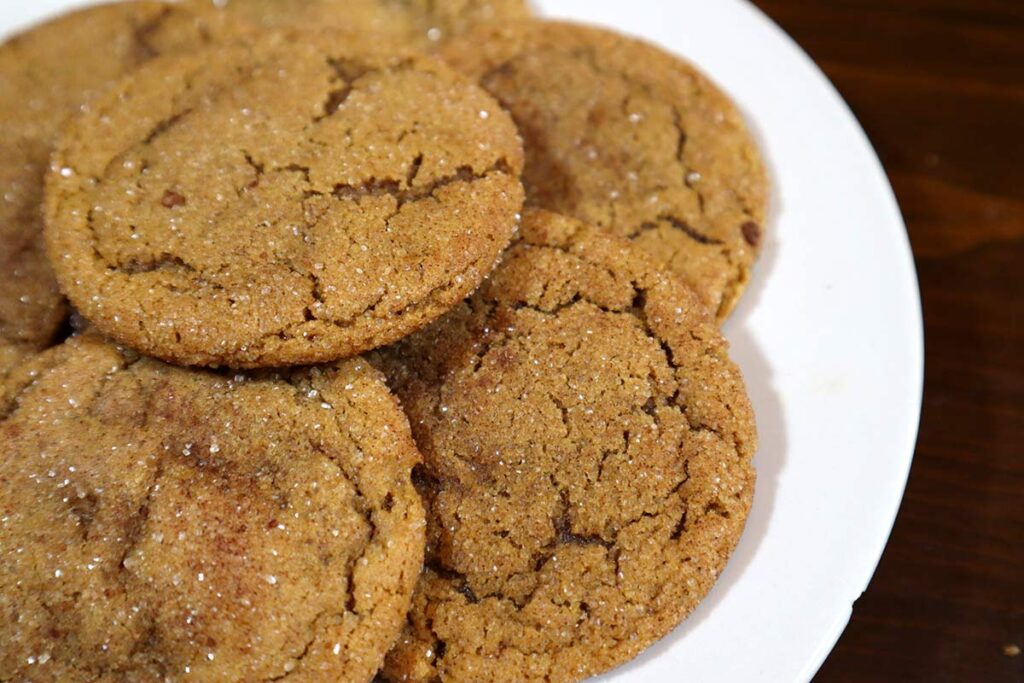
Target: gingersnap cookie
[
  {"x": 281, "y": 203},
  {"x": 587, "y": 451},
  {"x": 632, "y": 139},
  {"x": 417, "y": 23},
  {"x": 47, "y": 74},
  {"x": 162, "y": 523}
]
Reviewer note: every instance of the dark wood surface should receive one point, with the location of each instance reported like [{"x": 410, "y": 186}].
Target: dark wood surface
[{"x": 939, "y": 87}]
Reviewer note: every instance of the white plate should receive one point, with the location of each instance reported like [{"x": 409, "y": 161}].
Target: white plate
[{"x": 829, "y": 337}]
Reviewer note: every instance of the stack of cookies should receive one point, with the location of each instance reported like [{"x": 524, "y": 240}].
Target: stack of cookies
[{"x": 344, "y": 339}]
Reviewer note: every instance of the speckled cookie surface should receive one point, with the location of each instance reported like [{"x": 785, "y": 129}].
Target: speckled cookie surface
[
  {"x": 417, "y": 23},
  {"x": 11, "y": 355},
  {"x": 629, "y": 138},
  {"x": 281, "y": 203},
  {"x": 46, "y": 74},
  {"x": 165, "y": 524},
  {"x": 587, "y": 446}
]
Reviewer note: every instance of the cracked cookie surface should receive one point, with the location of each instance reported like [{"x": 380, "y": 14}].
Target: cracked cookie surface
[
  {"x": 417, "y": 23},
  {"x": 47, "y": 74},
  {"x": 629, "y": 138},
  {"x": 587, "y": 471},
  {"x": 283, "y": 203},
  {"x": 159, "y": 523}
]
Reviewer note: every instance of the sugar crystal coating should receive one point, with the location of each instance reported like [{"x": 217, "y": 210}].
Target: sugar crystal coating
[
  {"x": 587, "y": 451},
  {"x": 632, "y": 139},
  {"x": 48, "y": 74},
  {"x": 159, "y": 523},
  {"x": 418, "y": 23},
  {"x": 281, "y": 203}
]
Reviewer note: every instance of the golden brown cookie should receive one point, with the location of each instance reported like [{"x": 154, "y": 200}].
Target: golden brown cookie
[
  {"x": 630, "y": 138},
  {"x": 47, "y": 74},
  {"x": 587, "y": 446},
  {"x": 281, "y": 203},
  {"x": 417, "y": 23},
  {"x": 160, "y": 523}
]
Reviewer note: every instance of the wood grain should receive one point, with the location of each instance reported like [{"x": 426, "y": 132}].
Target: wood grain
[{"x": 939, "y": 87}]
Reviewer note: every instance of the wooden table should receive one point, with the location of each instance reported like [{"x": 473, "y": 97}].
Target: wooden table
[{"x": 939, "y": 87}]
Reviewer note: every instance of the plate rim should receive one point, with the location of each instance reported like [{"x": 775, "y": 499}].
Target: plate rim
[{"x": 915, "y": 327}]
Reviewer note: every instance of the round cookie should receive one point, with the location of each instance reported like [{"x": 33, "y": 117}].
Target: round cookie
[
  {"x": 587, "y": 451},
  {"x": 281, "y": 203},
  {"x": 47, "y": 74},
  {"x": 418, "y": 23},
  {"x": 160, "y": 523},
  {"x": 627, "y": 137}
]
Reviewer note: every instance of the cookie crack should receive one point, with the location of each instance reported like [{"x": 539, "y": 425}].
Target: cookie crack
[
  {"x": 607, "y": 453},
  {"x": 333, "y": 102},
  {"x": 690, "y": 180},
  {"x": 362, "y": 501},
  {"x": 566, "y": 537},
  {"x": 378, "y": 187},
  {"x": 678, "y": 224},
  {"x": 456, "y": 578},
  {"x": 347, "y": 72},
  {"x": 295, "y": 168},
  {"x": 680, "y": 527},
  {"x": 258, "y": 168},
  {"x": 640, "y": 311},
  {"x": 90, "y": 225},
  {"x": 160, "y": 262},
  {"x": 414, "y": 170},
  {"x": 165, "y": 125},
  {"x": 143, "y": 33},
  {"x": 563, "y": 527},
  {"x": 290, "y": 330}
]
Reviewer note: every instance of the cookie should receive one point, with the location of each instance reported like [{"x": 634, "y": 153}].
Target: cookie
[
  {"x": 627, "y": 137},
  {"x": 47, "y": 74},
  {"x": 417, "y": 23},
  {"x": 161, "y": 523},
  {"x": 587, "y": 451},
  {"x": 281, "y": 203}
]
